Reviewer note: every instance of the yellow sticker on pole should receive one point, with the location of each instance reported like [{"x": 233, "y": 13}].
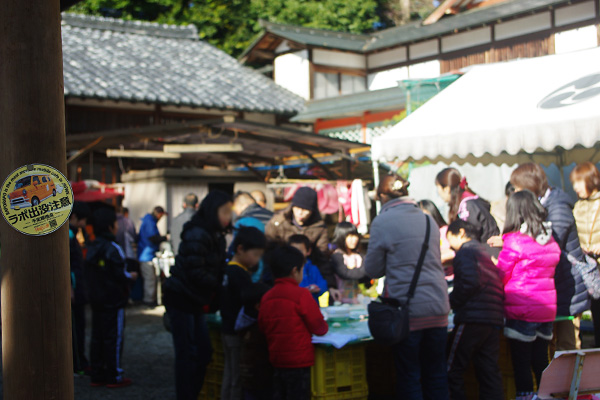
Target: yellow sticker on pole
[{"x": 36, "y": 199}]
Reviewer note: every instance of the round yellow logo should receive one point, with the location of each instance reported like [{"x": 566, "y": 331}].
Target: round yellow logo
[{"x": 36, "y": 199}]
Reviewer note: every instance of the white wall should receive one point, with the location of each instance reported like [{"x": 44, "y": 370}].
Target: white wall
[
  {"x": 142, "y": 197},
  {"x": 394, "y": 56},
  {"x": 574, "y": 13},
  {"x": 429, "y": 69},
  {"x": 387, "y": 79},
  {"x": 338, "y": 59},
  {"x": 470, "y": 38},
  {"x": 576, "y": 39},
  {"x": 423, "y": 49},
  {"x": 523, "y": 26},
  {"x": 293, "y": 73}
]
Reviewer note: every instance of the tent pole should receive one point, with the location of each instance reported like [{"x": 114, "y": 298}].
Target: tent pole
[
  {"x": 36, "y": 314},
  {"x": 561, "y": 167},
  {"x": 376, "y": 183}
]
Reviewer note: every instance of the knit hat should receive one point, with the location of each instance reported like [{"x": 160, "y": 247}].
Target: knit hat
[{"x": 306, "y": 198}]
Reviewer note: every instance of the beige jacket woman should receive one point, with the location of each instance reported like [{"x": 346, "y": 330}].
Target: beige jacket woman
[{"x": 587, "y": 217}]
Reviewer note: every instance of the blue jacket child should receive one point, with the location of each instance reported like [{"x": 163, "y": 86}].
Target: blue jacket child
[{"x": 313, "y": 280}]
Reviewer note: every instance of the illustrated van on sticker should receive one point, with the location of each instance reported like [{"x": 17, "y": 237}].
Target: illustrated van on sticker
[{"x": 31, "y": 191}]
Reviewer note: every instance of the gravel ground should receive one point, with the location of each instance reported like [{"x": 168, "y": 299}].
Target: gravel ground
[{"x": 147, "y": 360}]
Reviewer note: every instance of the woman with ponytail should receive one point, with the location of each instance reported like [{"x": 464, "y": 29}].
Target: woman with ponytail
[{"x": 465, "y": 204}]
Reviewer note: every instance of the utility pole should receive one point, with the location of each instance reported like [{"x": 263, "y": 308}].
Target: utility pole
[{"x": 36, "y": 321}]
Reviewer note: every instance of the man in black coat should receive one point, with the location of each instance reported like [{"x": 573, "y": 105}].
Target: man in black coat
[{"x": 477, "y": 301}]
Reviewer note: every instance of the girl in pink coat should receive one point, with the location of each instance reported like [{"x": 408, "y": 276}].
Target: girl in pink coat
[{"x": 527, "y": 263}]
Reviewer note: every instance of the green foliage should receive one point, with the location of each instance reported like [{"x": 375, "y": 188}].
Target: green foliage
[{"x": 231, "y": 25}]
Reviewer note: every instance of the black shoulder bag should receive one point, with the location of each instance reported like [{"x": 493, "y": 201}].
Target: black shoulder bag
[{"x": 389, "y": 318}]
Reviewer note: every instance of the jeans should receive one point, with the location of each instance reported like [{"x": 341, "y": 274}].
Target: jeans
[
  {"x": 481, "y": 344},
  {"x": 421, "y": 365},
  {"x": 527, "y": 356},
  {"x": 193, "y": 351}
]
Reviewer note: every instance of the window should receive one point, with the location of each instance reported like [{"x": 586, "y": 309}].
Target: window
[
  {"x": 36, "y": 180},
  {"x": 330, "y": 84},
  {"x": 44, "y": 179},
  {"x": 352, "y": 84},
  {"x": 326, "y": 85}
]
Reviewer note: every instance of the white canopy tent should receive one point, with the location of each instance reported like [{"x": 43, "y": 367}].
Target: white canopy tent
[{"x": 545, "y": 110}]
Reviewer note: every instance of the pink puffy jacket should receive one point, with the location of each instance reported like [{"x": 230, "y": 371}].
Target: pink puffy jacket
[{"x": 527, "y": 270}]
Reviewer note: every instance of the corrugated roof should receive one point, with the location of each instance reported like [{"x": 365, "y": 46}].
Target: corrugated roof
[
  {"x": 406, "y": 33},
  {"x": 112, "y": 59},
  {"x": 375, "y": 100}
]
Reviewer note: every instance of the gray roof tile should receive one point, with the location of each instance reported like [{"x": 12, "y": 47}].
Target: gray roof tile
[
  {"x": 146, "y": 62},
  {"x": 404, "y": 34}
]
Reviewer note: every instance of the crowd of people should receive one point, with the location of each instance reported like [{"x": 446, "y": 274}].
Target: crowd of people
[{"x": 531, "y": 278}]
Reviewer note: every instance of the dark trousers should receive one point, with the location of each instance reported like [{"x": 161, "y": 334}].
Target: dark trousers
[
  {"x": 291, "y": 384},
  {"x": 193, "y": 351},
  {"x": 80, "y": 362},
  {"x": 480, "y": 344},
  {"x": 421, "y": 365},
  {"x": 596, "y": 320},
  {"x": 527, "y": 356},
  {"x": 106, "y": 349}
]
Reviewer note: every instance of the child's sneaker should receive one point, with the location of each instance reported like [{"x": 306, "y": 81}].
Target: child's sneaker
[{"x": 124, "y": 382}]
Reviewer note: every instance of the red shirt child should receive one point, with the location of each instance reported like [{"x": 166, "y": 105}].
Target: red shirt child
[{"x": 289, "y": 317}]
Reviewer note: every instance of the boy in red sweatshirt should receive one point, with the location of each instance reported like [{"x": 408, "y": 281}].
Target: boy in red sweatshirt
[{"x": 289, "y": 317}]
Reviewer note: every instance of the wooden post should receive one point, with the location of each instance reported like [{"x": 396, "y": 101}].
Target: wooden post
[{"x": 36, "y": 320}]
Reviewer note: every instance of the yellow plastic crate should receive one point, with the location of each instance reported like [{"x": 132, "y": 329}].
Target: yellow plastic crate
[{"x": 339, "y": 374}]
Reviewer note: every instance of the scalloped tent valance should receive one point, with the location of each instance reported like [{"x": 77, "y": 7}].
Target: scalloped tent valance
[{"x": 544, "y": 109}]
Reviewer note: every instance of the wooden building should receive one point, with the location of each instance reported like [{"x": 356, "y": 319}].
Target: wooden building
[{"x": 330, "y": 69}]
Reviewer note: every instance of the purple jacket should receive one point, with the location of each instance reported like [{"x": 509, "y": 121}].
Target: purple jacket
[{"x": 527, "y": 268}]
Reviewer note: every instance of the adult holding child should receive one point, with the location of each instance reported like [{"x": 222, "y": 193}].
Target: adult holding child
[
  {"x": 586, "y": 183},
  {"x": 193, "y": 288},
  {"x": 397, "y": 237}
]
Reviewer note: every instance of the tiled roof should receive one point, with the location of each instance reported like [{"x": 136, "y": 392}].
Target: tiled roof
[
  {"x": 111, "y": 59},
  {"x": 408, "y": 33}
]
